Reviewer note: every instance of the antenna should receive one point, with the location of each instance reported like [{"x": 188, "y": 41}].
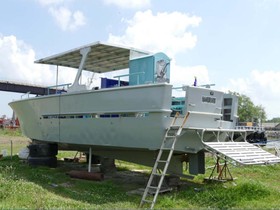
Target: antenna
[{"x": 207, "y": 85}]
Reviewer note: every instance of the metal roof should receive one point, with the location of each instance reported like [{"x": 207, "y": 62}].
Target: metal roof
[{"x": 102, "y": 57}]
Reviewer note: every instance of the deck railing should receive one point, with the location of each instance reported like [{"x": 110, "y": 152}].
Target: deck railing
[
  {"x": 56, "y": 86},
  {"x": 126, "y": 75},
  {"x": 25, "y": 94},
  {"x": 254, "y": 128}
]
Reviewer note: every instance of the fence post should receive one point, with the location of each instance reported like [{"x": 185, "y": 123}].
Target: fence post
[{"x": 11, "y": 149}]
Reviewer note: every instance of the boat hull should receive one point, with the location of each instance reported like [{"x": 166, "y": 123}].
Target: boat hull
[
  {"x": 126, "y": 117},
  {"x": 127, "y": 123}
]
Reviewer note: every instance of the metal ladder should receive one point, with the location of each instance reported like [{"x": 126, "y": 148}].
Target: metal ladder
[{"x": 170, "y": 137}]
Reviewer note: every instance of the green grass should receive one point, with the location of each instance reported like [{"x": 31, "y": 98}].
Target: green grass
[
  {"x": 41, "y": 187},
  {"x": 12, "y": 139},
  {"x": 10, "y": 132},
  {"x": 25, "y": 187}
]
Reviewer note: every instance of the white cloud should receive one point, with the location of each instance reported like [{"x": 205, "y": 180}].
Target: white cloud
[
  {"x": 263, "y": 87},
  {"x": 16, "y": 61},
  {"x": 17, "y": 64},
  {"x": 181, "y": 75},
  {"x": 166, "y": 32},
  {"x": 66, "y": 19},
  {"x": 185, "y": 75},
  {"x": 127, "y": 4}
]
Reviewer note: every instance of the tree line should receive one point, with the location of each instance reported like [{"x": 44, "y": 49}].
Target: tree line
[{"x": 249, "y": 112}]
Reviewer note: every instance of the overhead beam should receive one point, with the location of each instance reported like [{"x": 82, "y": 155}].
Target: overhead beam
[{"x": 24, "y": 88}]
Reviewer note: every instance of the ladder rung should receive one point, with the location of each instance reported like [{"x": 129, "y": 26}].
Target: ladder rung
[
  {"x": 153, "y": 187},
  {"x": 174, "y": 127},
  {"x": 164, "y": 148},
  {"x": 157, "y": 174}
]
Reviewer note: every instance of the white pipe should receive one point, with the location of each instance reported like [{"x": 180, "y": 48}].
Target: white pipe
[
  {"x": 56, "y": 79},
  {"x": 89, "y": 160}
]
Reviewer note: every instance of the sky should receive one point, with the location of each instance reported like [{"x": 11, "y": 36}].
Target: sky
[{"x": 232, "y": 44}]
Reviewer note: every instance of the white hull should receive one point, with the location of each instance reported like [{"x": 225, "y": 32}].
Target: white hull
[{"x": 128, "y": 117}]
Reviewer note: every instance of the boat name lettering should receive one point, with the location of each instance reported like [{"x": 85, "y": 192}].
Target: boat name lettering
[{"x": 207, "y": 99}]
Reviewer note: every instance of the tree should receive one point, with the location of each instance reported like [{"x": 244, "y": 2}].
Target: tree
[
  {"x": 275, "y": 120},
  {"x": 248, "y": 111}
]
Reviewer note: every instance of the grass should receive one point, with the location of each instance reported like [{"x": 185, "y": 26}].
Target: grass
[
  {"x": 10, "y": 132},
  {"x": 41, "y": 187},
  {"x": 24, "y": 187},
  {"x": 12, "y": 141}
]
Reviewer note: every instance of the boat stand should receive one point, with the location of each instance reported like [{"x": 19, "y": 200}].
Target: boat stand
[
  {"x": 277, "y": 151},
  {"x": 222, "y": 170}
]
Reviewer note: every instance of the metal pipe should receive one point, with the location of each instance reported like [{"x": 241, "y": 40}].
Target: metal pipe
[
  {"x": 86, "y": 175},
  {"x": 202, "y": 135},
  {"x": 25, "y": 94},
  {"x": 56, "y": 78},
  {"x": 89, "y": 160},
  {"x": 125, "y": 75}
]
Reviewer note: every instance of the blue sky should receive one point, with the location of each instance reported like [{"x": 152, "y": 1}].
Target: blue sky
[{"x": 233, "y": 44}]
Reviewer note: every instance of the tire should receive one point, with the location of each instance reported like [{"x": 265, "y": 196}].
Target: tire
[
  {"x": 43, "y": 161},
  {"x": 95, "y": 159},
  {"x": 43, "y": 150}
]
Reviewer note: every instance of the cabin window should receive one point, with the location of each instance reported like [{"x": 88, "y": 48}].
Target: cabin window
[
  {"x": 227, "y": 101},
  {"x": 95, "y": 116}
]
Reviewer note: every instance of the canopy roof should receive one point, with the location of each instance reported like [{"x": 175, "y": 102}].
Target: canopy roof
[{"x": 102, "y": 57}]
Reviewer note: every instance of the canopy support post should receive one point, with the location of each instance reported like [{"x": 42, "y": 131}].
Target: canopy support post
[
  {"x": 56, "y": 78},
  {"x": 76, "y": 86}
]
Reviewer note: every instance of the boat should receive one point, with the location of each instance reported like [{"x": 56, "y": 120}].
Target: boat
[
  {"x": 132, "y": 119},
  {"x": 256, "y": 134}
]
